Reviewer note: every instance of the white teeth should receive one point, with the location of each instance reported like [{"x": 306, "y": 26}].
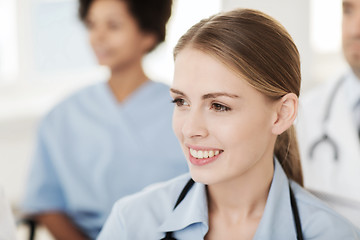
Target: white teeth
[
  {"x": 193, "y": 153},
  {"x": 203, "y": 154},
  {"x": 211, "y": 153}
]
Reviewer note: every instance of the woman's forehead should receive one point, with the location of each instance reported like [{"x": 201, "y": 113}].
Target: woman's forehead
[{"x": 195, "y": 69}]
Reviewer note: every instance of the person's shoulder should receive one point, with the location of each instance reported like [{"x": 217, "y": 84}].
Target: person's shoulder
[
  {"x": 166, "y": 192},
  {"x": 160, "y": 89},
  {"x": 313, "y": 103},
  {"x": 319, "y": 221},
  {"x": 160, "y": 86},
  {"x": 81, "y": 95},
  {"x": 158, "y": 101},
  {"x": 75, "y": 100},
  {"x": 319, "y": 91},
  {"x": 139, "y": 216},
  {"x": 154, "y": 201}
]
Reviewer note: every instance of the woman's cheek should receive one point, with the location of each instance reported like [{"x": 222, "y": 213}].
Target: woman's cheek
[{"x": 177, "y": 123}]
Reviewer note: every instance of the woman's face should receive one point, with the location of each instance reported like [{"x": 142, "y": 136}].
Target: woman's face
[
  {"x": 222, "y": 123},
  {"x": 115, "y": 35}
]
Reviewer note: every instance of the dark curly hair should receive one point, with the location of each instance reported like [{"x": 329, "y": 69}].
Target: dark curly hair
[{"x": 151, "y": 15}]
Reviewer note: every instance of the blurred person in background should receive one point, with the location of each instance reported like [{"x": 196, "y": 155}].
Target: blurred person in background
[
  {"x": 109, "y": 139},
  {"x": 329, "y": 121}
]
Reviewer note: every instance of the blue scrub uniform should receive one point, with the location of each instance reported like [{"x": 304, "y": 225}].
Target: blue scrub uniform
[
  {"x": 92, "y": 150},
  {"x": 149, "y": 214}
]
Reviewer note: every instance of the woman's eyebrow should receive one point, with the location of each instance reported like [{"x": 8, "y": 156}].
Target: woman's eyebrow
[
  {"x": 177, "y": 92},
  {"x": 207, "y": 96},
  {"x": 219, "y": 94}
]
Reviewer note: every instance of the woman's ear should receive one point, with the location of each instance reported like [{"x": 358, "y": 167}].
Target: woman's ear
[{"x": 286, "y": 111}]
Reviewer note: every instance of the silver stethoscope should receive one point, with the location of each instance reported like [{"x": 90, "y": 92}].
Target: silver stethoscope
[
  {"x": 325, "y": 139},
  {"x": 294, "y": 208}
]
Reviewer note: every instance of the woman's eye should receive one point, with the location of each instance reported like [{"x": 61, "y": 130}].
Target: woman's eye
[
  {"x": 180, "y": 102},
  {"x": 219, "y": 107}
]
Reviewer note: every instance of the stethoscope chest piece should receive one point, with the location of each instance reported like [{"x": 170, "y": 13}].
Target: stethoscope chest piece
[{"x": 325, "y": 138}]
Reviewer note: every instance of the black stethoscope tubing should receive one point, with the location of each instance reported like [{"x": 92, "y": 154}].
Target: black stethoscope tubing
[
  {"x": 294, "y": 208},
  {"x": 325, "y": 137}
]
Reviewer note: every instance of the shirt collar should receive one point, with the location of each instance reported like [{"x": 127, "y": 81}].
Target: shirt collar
[
  {"x": 277, "y": 221},
  {"x": 277, "y": 214},
  {"x": 193, "y": 209}
]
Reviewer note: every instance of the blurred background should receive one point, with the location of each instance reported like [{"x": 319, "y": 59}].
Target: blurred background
[{"x": 45, "y": 56}]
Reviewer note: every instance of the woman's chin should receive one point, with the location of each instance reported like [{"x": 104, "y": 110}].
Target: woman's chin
[
  {"x": 201, "y": 176},
  {"x": 105, "y": 61}
]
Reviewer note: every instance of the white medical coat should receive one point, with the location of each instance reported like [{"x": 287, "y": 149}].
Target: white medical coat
[{"x": 322, "y": 172}]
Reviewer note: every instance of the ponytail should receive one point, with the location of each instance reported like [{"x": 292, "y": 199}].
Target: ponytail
[{"x": 287, "y": 152}]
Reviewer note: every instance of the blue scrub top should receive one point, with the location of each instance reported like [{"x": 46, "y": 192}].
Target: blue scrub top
[
  {"x": 149, "y": 214},
  {"x": 92, "y": 150}
]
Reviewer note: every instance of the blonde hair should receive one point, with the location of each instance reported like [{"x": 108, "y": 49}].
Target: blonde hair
[{"x": 260, "y": 50}]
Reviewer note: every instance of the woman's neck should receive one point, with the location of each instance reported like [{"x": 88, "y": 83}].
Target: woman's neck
[
  {"x": 123, "y": 82},
  {"x": 237, "y": 205}
]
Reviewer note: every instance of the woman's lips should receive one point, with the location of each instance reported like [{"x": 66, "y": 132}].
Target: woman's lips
[{"x": 202, "y": 157}]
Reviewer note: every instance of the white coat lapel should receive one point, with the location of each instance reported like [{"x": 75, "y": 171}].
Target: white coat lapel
[{"x": 341, "y": 128}]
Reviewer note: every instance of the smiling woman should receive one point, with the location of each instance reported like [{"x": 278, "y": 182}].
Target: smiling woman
[
  {"x": 223, "y": 113},
  {"x": 236, "y": 87}
]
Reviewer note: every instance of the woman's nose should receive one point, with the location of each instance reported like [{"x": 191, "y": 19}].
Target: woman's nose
[{"x": 194, "y": 125}]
